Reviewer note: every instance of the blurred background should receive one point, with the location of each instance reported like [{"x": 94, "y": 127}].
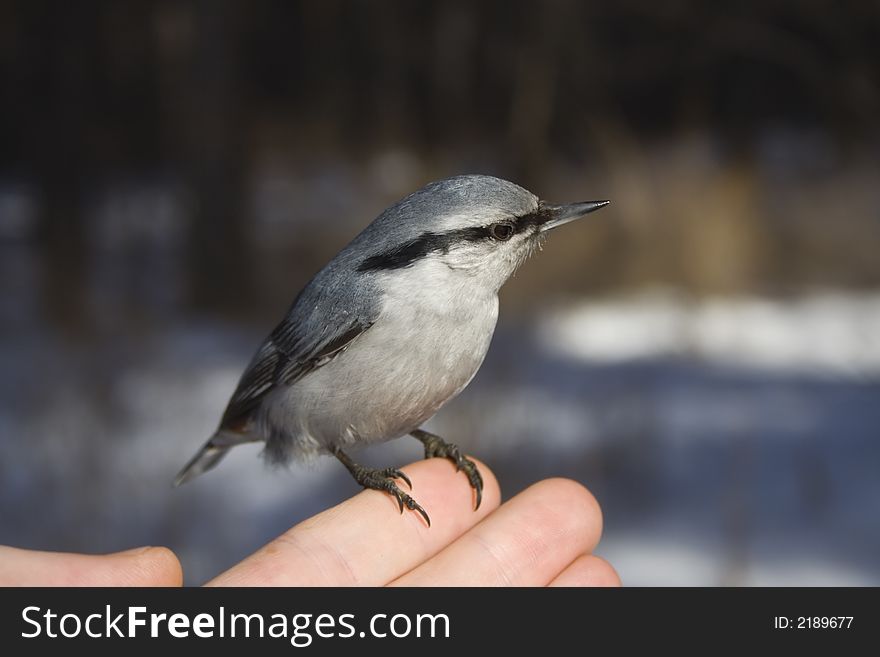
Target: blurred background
[{"x": 704, "y": 354}]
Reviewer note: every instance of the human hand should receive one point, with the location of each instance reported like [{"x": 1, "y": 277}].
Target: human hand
[{"x": 543, "y": 536}]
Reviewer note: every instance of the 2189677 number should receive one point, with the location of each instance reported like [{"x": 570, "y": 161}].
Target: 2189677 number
[{"x": 824, "y": 622}]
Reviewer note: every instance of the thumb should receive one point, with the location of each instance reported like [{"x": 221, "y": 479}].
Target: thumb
[{"x": 145, "y": 566}]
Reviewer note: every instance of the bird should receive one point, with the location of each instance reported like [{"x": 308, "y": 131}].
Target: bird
[{"x": 391, "y": 329}]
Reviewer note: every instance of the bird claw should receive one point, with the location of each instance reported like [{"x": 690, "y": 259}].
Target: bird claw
[
  {"x": 405, "y": 500},
  {"x": 436, "y": 447},
  {"x": 476, "y": 482},
  {"x": 383, "y": 480},
  {"x": 412, "y": 505},
  {"x": 399, "y": 474}
]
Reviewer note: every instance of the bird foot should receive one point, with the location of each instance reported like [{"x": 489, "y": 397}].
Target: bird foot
[
  {"x": 436, "y": 447},
  {"x": 383, "y": 479}
]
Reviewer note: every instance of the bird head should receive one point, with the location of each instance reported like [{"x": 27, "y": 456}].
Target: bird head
[{"x": 475, "y": 225}]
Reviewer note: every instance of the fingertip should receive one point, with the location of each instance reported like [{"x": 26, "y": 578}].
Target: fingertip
[
  {"x": 607, "y": 575},
  {"x": 147, "y": 566},
  {"x": 568, "y": 506},
  {"x": 572, "y": 491},
  {"x": 588, "y": 570},
  {"x": 163, "y": 567}
]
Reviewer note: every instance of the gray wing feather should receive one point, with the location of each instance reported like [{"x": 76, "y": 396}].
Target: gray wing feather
[{"x": 322, "y": 322}]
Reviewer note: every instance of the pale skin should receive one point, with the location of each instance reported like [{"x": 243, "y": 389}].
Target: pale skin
[{"x": 544, "y": 536}]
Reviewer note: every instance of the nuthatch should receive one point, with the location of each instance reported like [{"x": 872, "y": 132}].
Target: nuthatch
[{"x": 395, "y": 326}]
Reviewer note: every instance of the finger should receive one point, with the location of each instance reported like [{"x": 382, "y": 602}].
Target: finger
[
  {"x": 527, "y": 542},
  {"x": 147, "y": 566},
  {"x": 364, "y": 540},
  {"x": 587, "y": 570}
]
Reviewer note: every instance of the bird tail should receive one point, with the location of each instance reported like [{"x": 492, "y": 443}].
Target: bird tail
[{"x": 211, "y": 453}]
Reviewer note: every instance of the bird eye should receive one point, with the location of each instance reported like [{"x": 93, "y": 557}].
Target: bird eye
[{"x": 502, "y": 231}]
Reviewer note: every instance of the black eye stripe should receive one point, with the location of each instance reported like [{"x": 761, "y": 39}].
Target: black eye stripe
[
  {"x": 536, "y": 218},
  {"x": 404, "y": 255}
]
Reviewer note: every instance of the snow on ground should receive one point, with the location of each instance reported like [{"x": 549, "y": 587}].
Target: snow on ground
[{"x": 823, "y": 333}]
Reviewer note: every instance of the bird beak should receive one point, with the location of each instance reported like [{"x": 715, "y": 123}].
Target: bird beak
[{"x": 562, "y": 214}]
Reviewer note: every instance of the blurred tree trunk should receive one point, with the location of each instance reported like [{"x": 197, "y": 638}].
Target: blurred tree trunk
[
  {"x": 61, "y": 151},
  {"x": 207, "y": 132}
]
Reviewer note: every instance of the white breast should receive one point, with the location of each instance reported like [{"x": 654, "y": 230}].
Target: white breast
[{"x": 426, "y": 345}]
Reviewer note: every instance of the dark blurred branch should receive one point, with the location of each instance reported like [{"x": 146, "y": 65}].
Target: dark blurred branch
[{"x": 209, "y": 141}]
